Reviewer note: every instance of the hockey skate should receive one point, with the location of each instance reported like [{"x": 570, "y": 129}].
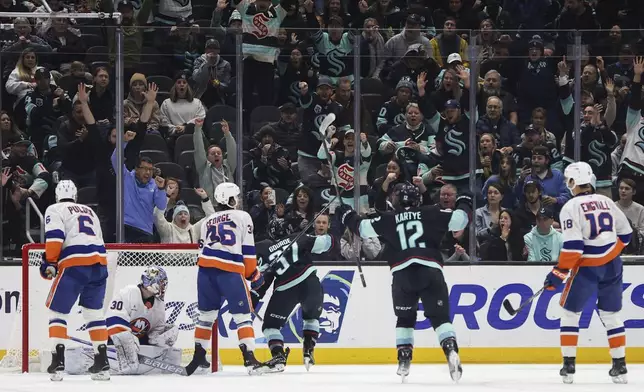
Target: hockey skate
[
  {"x": 567, "y": 372},
  {"x": 404, "y": 361},
  {"x": 307, "y": 350},
  {"x": 252, "y": 365},
  {"x": 57, "y": 367},
  {"x": 100, "y": 370},
  {"x": 618, "y": 371},
  {"x": 278, "y": 362},
  {"x": 198, "y": 360},
  {"x": 450, "y": 348}
]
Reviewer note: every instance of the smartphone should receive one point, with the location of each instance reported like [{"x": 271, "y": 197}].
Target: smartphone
[
  {"x": 527, "y": 162},
  {"x": 271, "y": 196}
]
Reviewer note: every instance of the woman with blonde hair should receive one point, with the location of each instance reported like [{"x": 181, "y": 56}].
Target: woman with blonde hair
[
  {"x": 21, "y": 80},
  {"x": 135, "y": 101}
]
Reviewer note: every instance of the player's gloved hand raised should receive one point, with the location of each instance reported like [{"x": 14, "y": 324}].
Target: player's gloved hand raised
[
  {"x": 256, "y": 280},
  {"x": 48, "y": 270},
  {"x": 555, "y": 278},
  {"x": 343, "y": 211}
]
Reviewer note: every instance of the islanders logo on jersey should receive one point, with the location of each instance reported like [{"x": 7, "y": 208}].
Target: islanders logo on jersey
[{"x": 140, "y": 327}]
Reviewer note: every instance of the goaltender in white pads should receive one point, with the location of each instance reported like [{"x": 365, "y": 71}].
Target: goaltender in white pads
[{"x": 136, "y": 325}]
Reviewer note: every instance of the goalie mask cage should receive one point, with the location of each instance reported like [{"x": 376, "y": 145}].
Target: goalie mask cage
[{"x": 29, "y": 336}]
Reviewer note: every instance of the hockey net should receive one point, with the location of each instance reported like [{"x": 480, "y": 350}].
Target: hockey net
[{"x": 29, "y": 333}]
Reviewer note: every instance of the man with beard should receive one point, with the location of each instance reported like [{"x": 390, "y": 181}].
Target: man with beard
[
  {"x": 492, "y": 88},
  {"x": 505, "y": 132},
  {"x": 399, "y": 44},
  {"x": 555, "y": 192},
  {"x": 392, "y": 113},
  {"x": 526, "y": 212},
  {"x": 316, "y": 107},
  {"x": 448, "y": 42},
  {"x": 532, "y": 138}
]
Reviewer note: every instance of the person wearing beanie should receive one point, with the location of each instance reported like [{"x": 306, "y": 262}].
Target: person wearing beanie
[
  {"x": 211, "y": 75},
  {"x": 392, "y": 113},
  {"x": 180, "y": 230},
  {"x": 135, "y": 101}
]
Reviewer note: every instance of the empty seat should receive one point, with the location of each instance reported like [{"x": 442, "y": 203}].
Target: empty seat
[
  {"x": 154, "y": 142},
  {"x": 164, "y": 83},
  {"x": 183, "y": 143},
  {"x": 171, "y": 169},
  {"x": 155, "y": 155}
]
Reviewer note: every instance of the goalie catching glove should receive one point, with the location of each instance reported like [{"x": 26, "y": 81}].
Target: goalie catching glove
[{"x": 166, "y": 337}]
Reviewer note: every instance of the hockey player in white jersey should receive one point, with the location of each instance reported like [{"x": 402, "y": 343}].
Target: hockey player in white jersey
[
  {"x": 226, "y": 260},
  {"x": 75, "y": 256},
  {"x": 136, "y": 324},
  {"x": 595, "y": 231}
]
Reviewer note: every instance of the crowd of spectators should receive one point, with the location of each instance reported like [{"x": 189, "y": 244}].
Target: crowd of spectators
[{"x": 412, "y": 119}]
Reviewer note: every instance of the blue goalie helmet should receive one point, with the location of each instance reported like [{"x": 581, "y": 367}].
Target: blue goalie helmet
[{"x": 155, "y": 280}]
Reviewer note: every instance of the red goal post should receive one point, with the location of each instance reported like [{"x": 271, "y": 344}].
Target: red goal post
[{"x": 125, "y": 265}]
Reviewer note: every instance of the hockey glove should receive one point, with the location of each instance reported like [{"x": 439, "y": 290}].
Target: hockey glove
[
  {"x": 167, "y": 337},
  {"x": 555, "y": 278},
  {"x": 48, "y": 270},
  {"x": 256, "y": 280}
]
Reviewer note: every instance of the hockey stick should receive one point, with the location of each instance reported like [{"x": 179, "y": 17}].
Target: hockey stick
[
  {"x": 144, "y": 360},
  {"x": 323, "y": 127},
  {"x": 508, "y": 306}
]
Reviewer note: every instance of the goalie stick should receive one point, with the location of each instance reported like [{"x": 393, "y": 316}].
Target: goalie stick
[
  {"x": 144, "y": 360},
  {"x": 326, "y": 123},
  {"x": 508, "y": 306}
]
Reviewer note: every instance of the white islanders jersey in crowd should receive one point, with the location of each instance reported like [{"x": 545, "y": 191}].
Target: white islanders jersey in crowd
[
  {"x": 73, "y": 236},
  {"x": 128, "y": 312},
  {"x": 594, "y": 231},
  {"x": 227, "y": 242}
]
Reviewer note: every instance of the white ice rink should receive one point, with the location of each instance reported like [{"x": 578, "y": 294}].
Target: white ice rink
[{"x": 374, "y": 378}]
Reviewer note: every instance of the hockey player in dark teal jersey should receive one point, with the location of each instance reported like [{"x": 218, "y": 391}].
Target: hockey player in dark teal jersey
[{"x": 412, "y": 234}]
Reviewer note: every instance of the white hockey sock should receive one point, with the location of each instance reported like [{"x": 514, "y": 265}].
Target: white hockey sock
[
  {"x": 57, "y": 328},
  {"x": 96, "y": 327},
  {"x": 245, "y": 331},
  {"x": 569, "y": 333},
  {"x": 615, "y": 332},
  {"x": 203, "y": 329}
]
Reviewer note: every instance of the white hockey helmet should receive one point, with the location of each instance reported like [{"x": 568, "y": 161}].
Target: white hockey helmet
[
  {"x": 227, "y": 194},
  {"x": 66, "y": 190},
  {"x": 578, "y": 173}
]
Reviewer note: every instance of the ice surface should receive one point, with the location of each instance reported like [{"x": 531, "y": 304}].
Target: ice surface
[{"x": 374, "y": 378}]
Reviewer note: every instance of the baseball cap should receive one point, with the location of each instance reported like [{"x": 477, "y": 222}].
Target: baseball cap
[
  {"x": 325, "y": 81},
  {"x": 454, "y": 57},
  {"x": 334, "y": 20},
  {"x": 414, "y": 19},
  {"x": 16, "y": 140},
  {"x": 182, "y": 74},
  {"x": 452, "y": 104},
  {"x": 532, "y": 182},
  {"x": 536, "y": 42},
  {"x": 288, "y": 107},
  {"x": 546, "y": 212},
  {"x": 626, "y": 49},
  {"x": 236, "y": 15},
  {"x": 42, "y": 73}
]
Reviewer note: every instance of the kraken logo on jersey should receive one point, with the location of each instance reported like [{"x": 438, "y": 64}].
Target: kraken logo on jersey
[
  {"x": 546, "y": 254},
  {"x": 260, "y": 29},
  {"x": 140, "y": 326},
  {"x": 640, "y": 134},
  {"x": 345, "y": 176},
  {"x": 182, "y": 3},
  {"x": 295, "y": 91},
  {"x": 451, "y": 139},
  {"x": 598, "y": 156},
  {"x": 399, "y": 119},
  {"x": 318, "y": 121},
  {"x": 334, "y": 58}
]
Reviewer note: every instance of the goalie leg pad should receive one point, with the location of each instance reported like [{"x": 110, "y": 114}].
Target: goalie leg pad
[
  {"x": 127, "y": 352},
  {"x": 57, "y": 329},
  {"x": 615, "y": 332},
  {"x": 569, "y": 332},
  {"x": 245, "y": 331}
]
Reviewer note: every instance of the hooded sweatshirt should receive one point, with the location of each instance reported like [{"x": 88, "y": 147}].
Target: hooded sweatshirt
[{"x": 543, "y": 247}]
